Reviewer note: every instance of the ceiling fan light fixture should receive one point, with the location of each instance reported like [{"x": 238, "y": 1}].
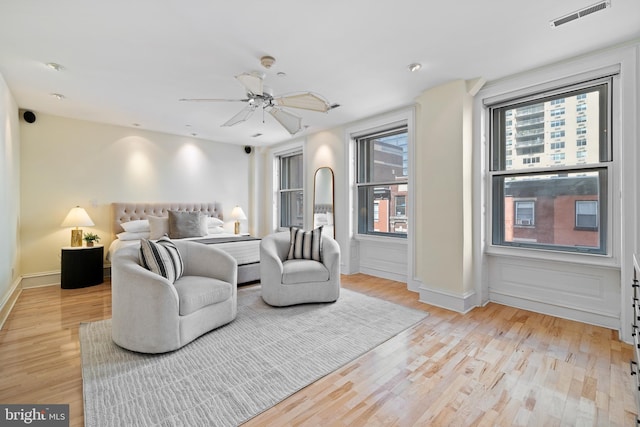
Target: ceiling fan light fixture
[{"x": 291, "y": 122}]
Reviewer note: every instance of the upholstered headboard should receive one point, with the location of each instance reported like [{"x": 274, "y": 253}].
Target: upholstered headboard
[{"x": 130, "y": 211}]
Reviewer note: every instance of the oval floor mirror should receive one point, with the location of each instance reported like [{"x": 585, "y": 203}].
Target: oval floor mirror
[{"x": 323, "y": 200}]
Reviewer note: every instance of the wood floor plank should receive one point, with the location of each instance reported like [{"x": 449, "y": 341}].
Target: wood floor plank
[{"x": 494, "y": 366}]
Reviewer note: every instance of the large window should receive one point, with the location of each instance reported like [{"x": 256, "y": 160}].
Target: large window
[
  {"x": 290, "y": 190},
  {"x": 382, "y": 181},
  {"x": 558, "y": 200}
]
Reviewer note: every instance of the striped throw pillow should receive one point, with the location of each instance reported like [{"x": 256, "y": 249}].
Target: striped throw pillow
[
  {"x": 306, "y": 244},
  {"x": 161, "y": 257}
]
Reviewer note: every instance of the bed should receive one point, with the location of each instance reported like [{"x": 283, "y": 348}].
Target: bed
[{"x": 135, "y": 217}]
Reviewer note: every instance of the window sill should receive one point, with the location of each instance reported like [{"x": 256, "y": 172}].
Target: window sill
[
  {"x": 380, "y": 239},
  {"x": 605, "y": 261}
]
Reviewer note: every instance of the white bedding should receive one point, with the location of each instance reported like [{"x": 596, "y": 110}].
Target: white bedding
[{"x": 245, "y": 252}]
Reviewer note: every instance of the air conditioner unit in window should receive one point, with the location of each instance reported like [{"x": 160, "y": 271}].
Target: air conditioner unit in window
[{"x": 524, "y": 222}]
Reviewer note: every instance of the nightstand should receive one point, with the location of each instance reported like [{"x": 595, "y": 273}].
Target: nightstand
[{"x": 81, "y": 266}]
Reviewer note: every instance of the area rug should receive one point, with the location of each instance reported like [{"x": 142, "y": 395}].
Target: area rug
[{"x": 233, "y": 373}]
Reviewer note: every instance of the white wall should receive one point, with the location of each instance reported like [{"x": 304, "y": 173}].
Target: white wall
[
  {"x": 444, "y": 194},
  {"x": 9, "y": 194},
  {"x": 68, "y": 162}
]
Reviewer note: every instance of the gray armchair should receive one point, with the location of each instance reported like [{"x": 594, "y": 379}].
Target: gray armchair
[
  {"x": 288, "y": 282},
  {"x": 153, "y": 315}
]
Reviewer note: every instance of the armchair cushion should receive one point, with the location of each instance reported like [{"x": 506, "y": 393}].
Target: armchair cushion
[
  {"x": 161, "y": 257},
  {"x": 196, "y": 292},
  {"x": 305, "y": 244},
  {"x": 303, "y": 271}
]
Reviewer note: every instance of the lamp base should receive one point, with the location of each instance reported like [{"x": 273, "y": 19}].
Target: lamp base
[
  {"x": 237, "y": 227},
  {"x": 76, "y": 238}
]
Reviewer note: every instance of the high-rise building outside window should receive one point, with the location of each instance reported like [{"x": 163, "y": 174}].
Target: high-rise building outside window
[{"x": 558, "y": 199}]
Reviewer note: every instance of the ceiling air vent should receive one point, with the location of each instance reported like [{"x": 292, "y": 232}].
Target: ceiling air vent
[{"x": 580, "y": 13}]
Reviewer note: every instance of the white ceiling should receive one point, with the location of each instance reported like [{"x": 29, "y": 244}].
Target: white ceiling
[{"x": 129, "y": 61}]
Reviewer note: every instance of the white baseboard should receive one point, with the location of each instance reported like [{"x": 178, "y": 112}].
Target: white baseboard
[
  {"x": 9, "y": 300},
  {"x": 455, "y": 302},
  {"x": 564, "y": 311},
  {"x": 383, "y": 274},
  {"x": 36, "y": 280}
]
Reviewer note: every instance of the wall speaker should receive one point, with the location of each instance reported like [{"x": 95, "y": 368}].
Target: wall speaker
[
  {"x": 247, "y": 149},
  {"x": 29, "y": 116}
]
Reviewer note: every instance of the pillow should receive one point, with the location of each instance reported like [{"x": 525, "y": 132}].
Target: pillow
[
  {"x": 306, "y": 244},
  {"x": 214, "y": 222},
  {"x": 161, "y": 257},
  {"x": 136, "y": 225},
  {"x": 129, "y": 235},
  {"x": 158, "y": 227},
  {"x": 215, "y": 230},
  {"x": 186, "y": 224}
]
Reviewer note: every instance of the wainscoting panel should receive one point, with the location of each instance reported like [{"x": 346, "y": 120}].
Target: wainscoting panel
[
  {"x": 579, "y": 292},
  {"x": 384, "y": 258}
]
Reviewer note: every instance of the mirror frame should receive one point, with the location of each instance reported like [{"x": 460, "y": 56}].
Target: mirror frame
[{"x": 315, "y": 194}]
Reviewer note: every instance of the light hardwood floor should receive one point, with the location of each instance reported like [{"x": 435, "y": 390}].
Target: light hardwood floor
[{"x": 496, "y": 365}]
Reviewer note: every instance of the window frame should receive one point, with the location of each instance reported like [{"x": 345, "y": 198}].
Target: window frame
[
  {"x": 497, "y": 165},
  {"x": 361, "y": 223},
  {"x": 279, "y": 160},
  {"x": 582, "y": 227}
]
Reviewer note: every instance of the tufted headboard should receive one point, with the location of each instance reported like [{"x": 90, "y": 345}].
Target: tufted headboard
[{"x": 129, "y": 211}]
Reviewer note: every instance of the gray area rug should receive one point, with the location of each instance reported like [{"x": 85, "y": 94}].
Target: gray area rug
[{"x": 235, "y": 372}]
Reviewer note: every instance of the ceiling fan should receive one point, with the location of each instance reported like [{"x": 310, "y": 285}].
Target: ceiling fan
[{"x": 260, "y": 96}]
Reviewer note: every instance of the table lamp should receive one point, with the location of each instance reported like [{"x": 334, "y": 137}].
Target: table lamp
[
  {"x": 77, "y": 217},
  {"x": 237, "y": 213}
]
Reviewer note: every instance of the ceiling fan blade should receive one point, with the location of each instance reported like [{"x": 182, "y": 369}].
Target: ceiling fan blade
[
  {"x": 251, "y": 82},
  {"x": 212, "y": 100},
  {"x": 305, "y": 101},
  {"x": 289, "y": 121},
  {"x": 241, "y": 116}
]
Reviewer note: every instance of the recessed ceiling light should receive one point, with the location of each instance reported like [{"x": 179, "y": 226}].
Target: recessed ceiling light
[
  {"x": 414, "y": 67},
  {"x": 281, "y": 74},
  {"x": 54, "y": 66},
  {"x": 136, "y": 124},
  {"x": 58, "y": 96}
]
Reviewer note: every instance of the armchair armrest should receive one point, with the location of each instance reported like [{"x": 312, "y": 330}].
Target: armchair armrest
[
  {"x": 142, "y": 298},
  {"x": 208, "y": 261},
  {"x": 331, "y": 255}
]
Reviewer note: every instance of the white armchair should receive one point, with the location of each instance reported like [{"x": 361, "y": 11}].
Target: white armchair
[
  {"x": 296, "y": 281},
  {"x": 153, "y": 315}
]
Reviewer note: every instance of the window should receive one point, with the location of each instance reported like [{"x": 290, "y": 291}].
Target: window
[
  {"x": 557, "y": 123},
  {"x": 560, "y": 202},
  {"x": 382, "y": 182},
  {"x": 558, "y": 112},
  {"x": 587, "y": 214},
  {"x": 291, "y": 190},
  {"x": 525, "y": 213}
]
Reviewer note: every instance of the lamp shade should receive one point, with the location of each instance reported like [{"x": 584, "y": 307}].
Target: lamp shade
[
  {"x": 77, "y": 217},
  {"x": 237, "y": 213}
]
